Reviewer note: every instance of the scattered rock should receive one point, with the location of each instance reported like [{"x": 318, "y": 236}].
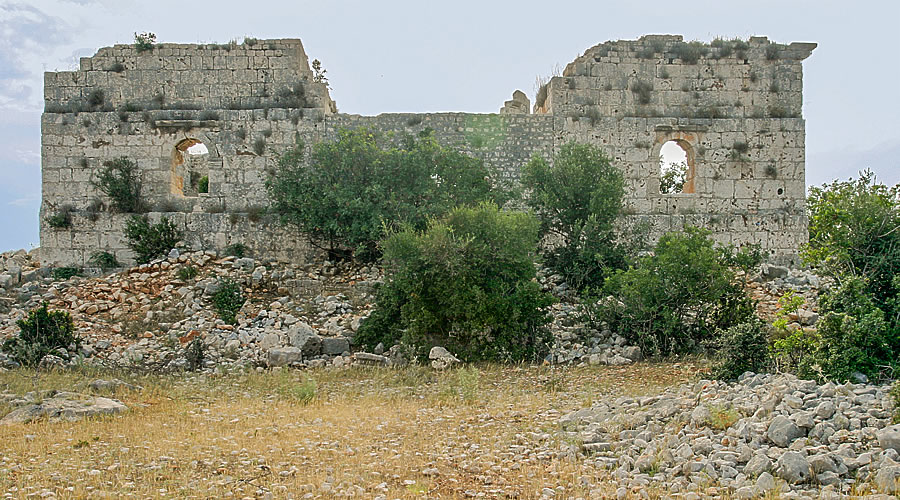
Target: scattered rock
[
  {"x": 67, "y": 406},
  {"x": 441, "y": 358}
]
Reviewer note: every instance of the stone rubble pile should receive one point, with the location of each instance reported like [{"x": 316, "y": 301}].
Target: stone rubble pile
[
  {"x": 144, "y": 317},
  {"x": 761, "y": 436},
  {"x": 301, "y": 316}
]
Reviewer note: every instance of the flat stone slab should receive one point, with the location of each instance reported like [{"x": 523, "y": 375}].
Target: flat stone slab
[{"x": 66, "y": 406}]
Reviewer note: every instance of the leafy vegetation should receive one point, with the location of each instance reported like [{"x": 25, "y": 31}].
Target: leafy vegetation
[
  {"x": 144, "y": 42},
  {"x": 854, "y": 237},
  {"x": 64, "y": 273},
  {"x": 467, "y": 283},
  {"x": 150, "y": 241},
  {"x": 42, "y": 332},
  {"x": 104, "y": 260},
  {"x": 672, "y": 177},
  {"x": 346, "y": 194},
  {"x": 119, "y": 179},
  {"x": 677, "y": 298},
  {"x": 236, "y": 250},
  {"x": 741, "y": 348},
  {"x": 577, "y": 199},
  {"x": 227, "y": 300},
  {"x": 187, "y": 272},
  {"x": 62, "y": 219}
]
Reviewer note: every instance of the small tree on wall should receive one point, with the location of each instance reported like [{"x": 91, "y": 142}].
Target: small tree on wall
[{"x": 119, "y": 179}]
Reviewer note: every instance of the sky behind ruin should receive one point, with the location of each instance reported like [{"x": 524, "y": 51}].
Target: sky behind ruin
[{"x": 414, "y": 56}]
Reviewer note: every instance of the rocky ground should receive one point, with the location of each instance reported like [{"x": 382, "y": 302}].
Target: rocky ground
[
  {"x": 640, "y": 434},
  {"x": 303, "y": 316}
]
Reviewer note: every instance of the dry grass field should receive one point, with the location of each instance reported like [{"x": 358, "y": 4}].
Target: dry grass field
[{"x": 484, "y": 432}]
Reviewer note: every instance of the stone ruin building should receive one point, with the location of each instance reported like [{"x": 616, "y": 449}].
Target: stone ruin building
[{"x": 214, "y": 117}]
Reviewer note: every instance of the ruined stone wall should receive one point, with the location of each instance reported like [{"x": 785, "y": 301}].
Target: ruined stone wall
[{"x": 737, "y": 115}]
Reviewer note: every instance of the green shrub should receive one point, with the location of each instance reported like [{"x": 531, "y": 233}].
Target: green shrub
[
  {"x": 577, "y": 200},
  {"x": 677, "y": 298},
  {"x": 853, "y": 238},
  {"x": 96, "y": 98},
  {"x": 144, "y": 41},
  {"x": 345, "y": 194},
  {"x": 466, "y": 283},
  {"x": 64, "y": 273},
  {"x": 259, "y": 146},
  {"x": 42, "y": 332},
  {"x": 120, "y": 180},
  {"x": 203, "y": 184},
  {"x": 741, "y": 348},
  {"x": 851, "y": 232},
  {"x": 227, "y": 301},
  {"x": 150, "y": 241},
  {"x": 61, "y": 219},
  {"x": 642, "y": 90},
  {"x": 672, "y": 177},
  {"x": 854, "y": 333},
  {"x": 236, "y": 250},
  {"x": 689, "y": 52},
  {"x": 104, "y": 260},
  {"x": 187, "y": 273}
]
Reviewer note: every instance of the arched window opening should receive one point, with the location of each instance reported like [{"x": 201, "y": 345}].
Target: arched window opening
[
  {"x": 190, "y": 168},
  {"x": 676, "y": 168}
]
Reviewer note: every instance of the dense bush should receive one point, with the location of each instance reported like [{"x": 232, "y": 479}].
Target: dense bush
[
  {"x": 677, "y": 298},
  {"x": 853, "y": 232},
  {"x": 228, "y": 300},
  {"x": 344, "y": 194},
  {"x": 741, "y": 348},
  {"x": 577, "y": 199},
  {"x": 854, "y": 237},
  {"x": 104, "y": 260},
  {"x": 120, "y": 180},
  {"x": 42, "y": 332},
  {"x": 854, "y": 334},
  {"x": 64, "y": 273},
  {"x": 150, "y": 241},
  {"x": 467, "y": 283}
]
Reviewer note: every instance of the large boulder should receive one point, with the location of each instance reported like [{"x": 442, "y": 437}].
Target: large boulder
[
  {"x": 889, "y": 437},
  {"x": 441, "y": 358},
  {"x": 68, "y": 406},
  {"x": 283, "y": 356},
  {"x": 303, "y": 336},
  {"x": 888, "y": 479},
  {"x": 783, "y": 432},
  {"x": 335, "y": 345},
  {"x": 793, "y": 468}
]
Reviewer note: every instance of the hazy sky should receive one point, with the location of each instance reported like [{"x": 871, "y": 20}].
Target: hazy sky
[{"x": 458, "y": 55}]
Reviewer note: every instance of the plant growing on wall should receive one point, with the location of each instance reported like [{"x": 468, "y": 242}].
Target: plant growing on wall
[
  {"x": 119, "y": 179},
  {"x": 150, "y": 241},
  {"x": 144, "y": 41}
]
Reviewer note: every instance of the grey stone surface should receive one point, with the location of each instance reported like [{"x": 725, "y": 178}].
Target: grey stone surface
[
  {"x": 793, "y": 468},
  {"x": 783, "y": 432},
  {"x": 889, "y": 437},
  {"x": 335, "y": 345},
  {"x": 68, "y": 406},
  {"x": 303, "y": 336},
  {"x": 283, "y": 356}
]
